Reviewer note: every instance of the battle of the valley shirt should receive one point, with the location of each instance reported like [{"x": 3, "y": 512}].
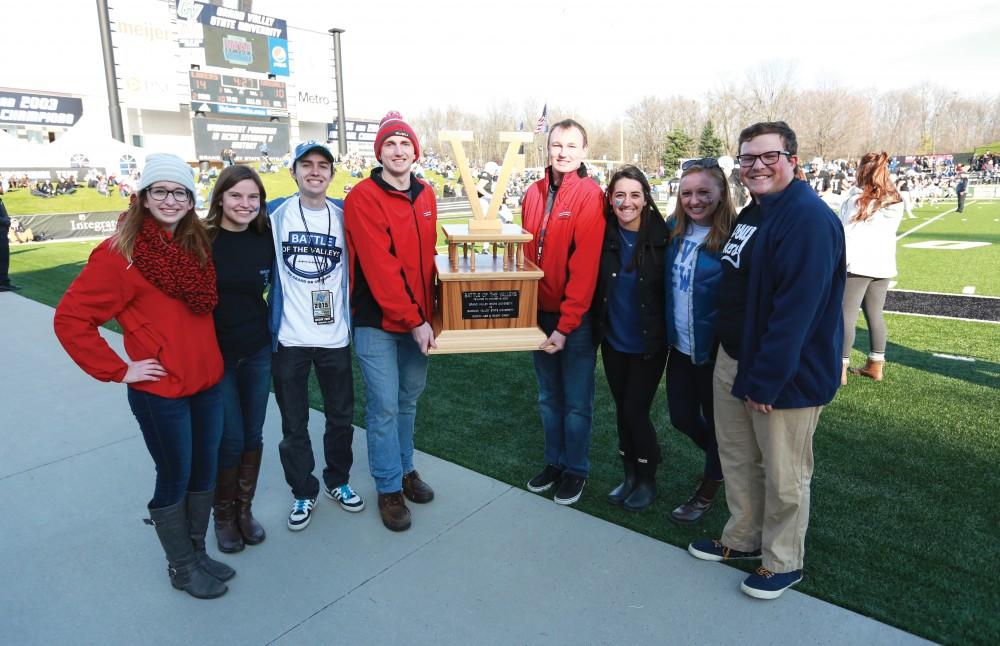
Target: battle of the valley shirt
[{"x": 312, "y": 267}]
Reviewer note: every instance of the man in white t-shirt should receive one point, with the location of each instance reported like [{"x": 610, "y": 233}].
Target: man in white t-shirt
[{"x": 311, "y": 329}]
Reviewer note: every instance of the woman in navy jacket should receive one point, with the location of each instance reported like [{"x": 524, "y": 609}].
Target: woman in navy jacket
[
  {"x": 699, "y": 227},
  {"x": 628, "y": 320}
]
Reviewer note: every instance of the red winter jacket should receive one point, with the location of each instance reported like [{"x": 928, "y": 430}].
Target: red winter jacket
[
  {"x": 391, "y": 243},
  {"x": 571, "y": 251},
  {"x": 155, "y": 327}
]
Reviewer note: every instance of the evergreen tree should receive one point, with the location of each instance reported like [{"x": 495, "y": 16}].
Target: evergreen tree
[
  {"x": 679, "y": 146},
  {"x": 709, "y": 145}
]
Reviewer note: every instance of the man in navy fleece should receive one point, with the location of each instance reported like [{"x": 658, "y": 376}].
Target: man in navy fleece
[{"x": 779, "y": 329}]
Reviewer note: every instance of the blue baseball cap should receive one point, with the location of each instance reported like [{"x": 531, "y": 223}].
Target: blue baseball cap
[{"x": 308, "y": 146}]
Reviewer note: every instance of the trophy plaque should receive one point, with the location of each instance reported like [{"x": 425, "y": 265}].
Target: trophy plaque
[{"x": 487, "y": 301}]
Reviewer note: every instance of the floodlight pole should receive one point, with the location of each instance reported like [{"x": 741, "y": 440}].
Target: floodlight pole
[
  {"x": 110, "y": 79},
  {"x": 339, "y": 71}
]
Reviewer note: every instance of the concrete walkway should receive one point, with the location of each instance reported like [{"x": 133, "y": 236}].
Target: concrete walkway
[{"x": 484, "y": 563}]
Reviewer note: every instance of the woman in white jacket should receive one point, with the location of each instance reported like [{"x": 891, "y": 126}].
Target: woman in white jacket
[{"x": 871, "y": 215}]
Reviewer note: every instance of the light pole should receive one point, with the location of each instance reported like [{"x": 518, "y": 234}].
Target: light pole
[{"x": 339, "y": 71}]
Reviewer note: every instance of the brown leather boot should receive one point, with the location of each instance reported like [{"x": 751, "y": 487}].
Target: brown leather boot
[
  {"x": 698, "y": 505},
  {"x": 251, "y": 530},
  {"x": 872, "y": 370},
  {"x": 415, "y": 489},
  {"x": 227, "y": 532},
  {"x": 392, "y": 508}
]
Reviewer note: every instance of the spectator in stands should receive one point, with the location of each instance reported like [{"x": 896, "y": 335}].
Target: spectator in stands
[
  {"x": 155, "y": 276},
  {"x": 18, "y": 233},
  {"x": 871, "y": 215},
  {"x": 699, "y": 227},
  {"x": 627, "y": 314},
  {"x": 243, "y": 252}
]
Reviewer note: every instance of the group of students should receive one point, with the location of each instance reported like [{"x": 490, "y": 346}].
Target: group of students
[
  {"x": 203, "y": 345},
  {"x": 743, "y": 313}
]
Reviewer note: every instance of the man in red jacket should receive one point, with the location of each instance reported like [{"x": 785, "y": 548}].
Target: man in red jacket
[
  {"x": 564, "y": 213},
  {"x": 391, "y": 222}
]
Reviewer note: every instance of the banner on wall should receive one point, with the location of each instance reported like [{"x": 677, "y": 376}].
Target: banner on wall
[
  {"x": 30, "y": 108},
  {"x": 248, "y": 139},
  {"x": 355, "y": 130}
]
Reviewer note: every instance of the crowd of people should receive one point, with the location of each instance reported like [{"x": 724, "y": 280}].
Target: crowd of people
[{"x": 743, "y": 307}]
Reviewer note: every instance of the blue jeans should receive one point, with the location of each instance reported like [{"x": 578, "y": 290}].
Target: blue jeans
[
  {"x": 395, "y": 372},
  {"x": 245, "y": 387},
  {"x": 290, "y": 369},
  {"x": 566, "y": 396},
  {"x": 182, "y": 435}
]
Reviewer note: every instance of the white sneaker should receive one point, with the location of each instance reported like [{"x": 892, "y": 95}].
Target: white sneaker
[
  {"x": 349, "y": 499},
  {"x": 301, "y": 514}
]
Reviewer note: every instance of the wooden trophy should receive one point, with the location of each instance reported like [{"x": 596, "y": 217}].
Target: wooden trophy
[{"x": 488, "y": 302}]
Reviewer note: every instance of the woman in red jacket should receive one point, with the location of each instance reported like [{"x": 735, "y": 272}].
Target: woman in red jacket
[{"x": 156, "y": 278}]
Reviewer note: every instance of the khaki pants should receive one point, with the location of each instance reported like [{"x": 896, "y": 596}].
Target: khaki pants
[{"x": 767, "y": 462}]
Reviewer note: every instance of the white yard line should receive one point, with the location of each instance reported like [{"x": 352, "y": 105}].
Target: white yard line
[
  {"x": 937, "y": 316},
  {"x": 932, "y": 220},
  {"x": 969, "y": 289}
]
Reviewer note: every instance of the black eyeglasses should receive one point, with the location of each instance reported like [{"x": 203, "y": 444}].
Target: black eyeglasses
[
  {"x": 704, "y": 162},
  {"x": 158, "y": 194},
  {"x": 769, "y": 158}
]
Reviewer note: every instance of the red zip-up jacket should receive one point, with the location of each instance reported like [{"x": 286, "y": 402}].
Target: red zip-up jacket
[
  {"x": 155, "y": 326},
  {"x": 391, "y": 242},
  {"x": 571, "y": 250}
]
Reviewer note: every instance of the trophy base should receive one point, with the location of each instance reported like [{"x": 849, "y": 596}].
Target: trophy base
[{"x": 496, "y": 340}]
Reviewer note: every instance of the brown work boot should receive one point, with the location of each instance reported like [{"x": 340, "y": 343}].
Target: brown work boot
[
  {"x": 415, "y": 489},
  {"x": 872, "y": 370},
  {"x": 227, "y": 532},
  {"x": 698, "y": 505},
  {"x": 249, "y": 470},
  {"x": 392, "y": 508}
]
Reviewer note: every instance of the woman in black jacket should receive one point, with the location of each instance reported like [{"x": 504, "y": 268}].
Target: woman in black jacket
[{"x": 628, "y": 314}]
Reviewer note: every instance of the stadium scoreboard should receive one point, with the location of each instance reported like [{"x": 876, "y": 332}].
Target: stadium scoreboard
[{"x": 238, "y": 95}]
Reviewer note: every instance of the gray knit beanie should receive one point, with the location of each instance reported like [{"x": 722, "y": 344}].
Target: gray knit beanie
[{"x": 164, "y": 167}]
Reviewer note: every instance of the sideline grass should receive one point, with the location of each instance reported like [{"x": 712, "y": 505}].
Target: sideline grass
[
  {"x": 903, "y": 518},
  {"x": 951, "y": 270}
]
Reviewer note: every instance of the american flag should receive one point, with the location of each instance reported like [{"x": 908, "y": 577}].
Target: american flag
[{"x": 543, "y": 121}]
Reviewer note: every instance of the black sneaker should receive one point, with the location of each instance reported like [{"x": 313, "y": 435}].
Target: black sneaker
[
  {"x": 570, "y": 489},
  {"x": 711, "y": 549},
  {"x": 548, "y": 477}
]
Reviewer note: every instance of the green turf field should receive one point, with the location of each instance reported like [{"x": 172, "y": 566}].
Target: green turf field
[
  {"x": 951, "y": 270},
  {"x": 904, "y": 519}
]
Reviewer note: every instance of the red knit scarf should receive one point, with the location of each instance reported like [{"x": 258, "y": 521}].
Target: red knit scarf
[{"x": 174, "y": 271}]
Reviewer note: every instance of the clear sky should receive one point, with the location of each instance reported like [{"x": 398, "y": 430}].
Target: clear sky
[
  {"x": 600, "y": 57},
  {"x": 596, "y": 58}
]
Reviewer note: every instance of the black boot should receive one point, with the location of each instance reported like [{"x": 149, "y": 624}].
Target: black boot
[
  {"x": 199, "y": 508},
  {"x": 645, "y": 487},
  {"x": 172, "y": 529},
  {"x": 622, "y": 491}
]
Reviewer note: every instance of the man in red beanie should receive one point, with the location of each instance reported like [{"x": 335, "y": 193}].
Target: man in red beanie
[
  {"x": 391, "y": 223},
  {"x": 564, "y": 212}
]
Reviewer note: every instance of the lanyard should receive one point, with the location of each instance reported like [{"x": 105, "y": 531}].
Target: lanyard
[
  {"x": 545, "y": 222},
  {"x": 320, "y": 269}
]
